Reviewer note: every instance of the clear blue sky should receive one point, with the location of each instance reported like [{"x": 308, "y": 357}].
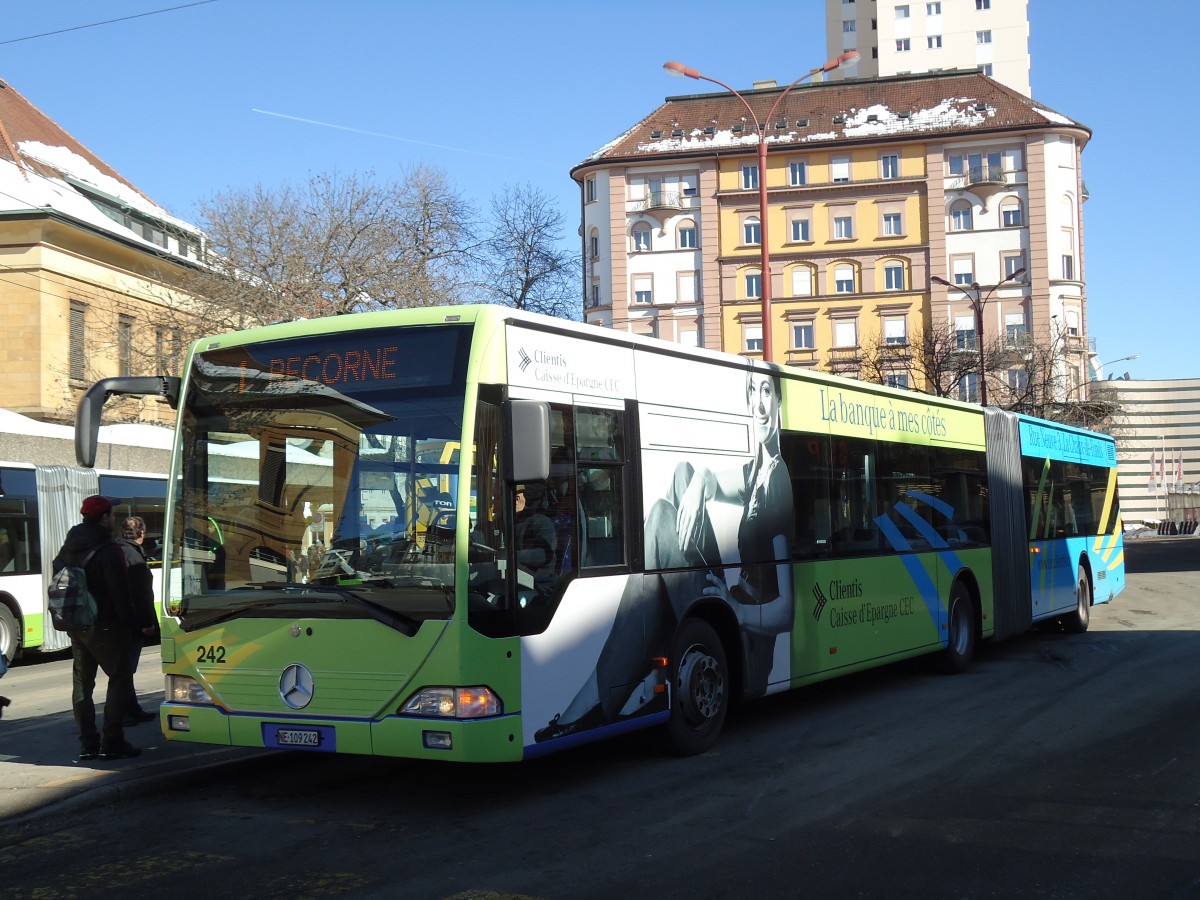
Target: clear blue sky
[{"x": 522, "y": 91}]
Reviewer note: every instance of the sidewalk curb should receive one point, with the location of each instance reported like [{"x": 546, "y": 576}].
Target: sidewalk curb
[{"x": 133, "y": 785}]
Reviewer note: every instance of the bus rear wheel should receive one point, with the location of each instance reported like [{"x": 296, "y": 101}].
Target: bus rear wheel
[
  {"x": 700, "y": 689},
  {"x": 960, "y": 626},
  {"x": 9, "y": 633},
  {"x": 1077, "y": 622}
]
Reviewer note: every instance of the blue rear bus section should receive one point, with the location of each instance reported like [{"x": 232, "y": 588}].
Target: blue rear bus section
[{"x": 1073, "y": 515}]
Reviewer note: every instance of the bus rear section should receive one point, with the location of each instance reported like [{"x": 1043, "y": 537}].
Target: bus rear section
[{"x": 1058, "y": 547}]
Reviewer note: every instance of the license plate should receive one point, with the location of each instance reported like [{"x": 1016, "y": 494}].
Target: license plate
[
  {"x": 300, "y": 737},
  {"x": 290, "y": 737}
]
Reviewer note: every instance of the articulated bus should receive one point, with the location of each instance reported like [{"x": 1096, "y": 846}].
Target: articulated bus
[
  {"x": 38, "y": 505},
  {"x": 635, "y": 534}
]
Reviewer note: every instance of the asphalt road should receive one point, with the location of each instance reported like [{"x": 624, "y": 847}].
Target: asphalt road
[{"x": 1057, "y": 767}]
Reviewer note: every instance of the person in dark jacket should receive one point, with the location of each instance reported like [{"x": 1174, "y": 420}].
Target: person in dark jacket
[
  {"x": 104, "y": 645},
  {"x": 141, "y": 597},
  {"x": 536, "y": 540}
]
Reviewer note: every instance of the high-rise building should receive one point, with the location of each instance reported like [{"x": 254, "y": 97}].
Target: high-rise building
[{"x": 932, "y": 36}]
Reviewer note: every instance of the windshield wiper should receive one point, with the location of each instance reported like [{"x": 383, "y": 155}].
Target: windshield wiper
[
  {"x": 400, "y": 622},
  {"x": 302, "y": 593}
]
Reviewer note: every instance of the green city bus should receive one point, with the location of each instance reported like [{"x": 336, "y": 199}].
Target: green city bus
[{"x": 474, "y": 534}]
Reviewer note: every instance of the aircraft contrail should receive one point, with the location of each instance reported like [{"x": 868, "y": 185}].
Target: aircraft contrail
[{"x": 393, "y": 137}]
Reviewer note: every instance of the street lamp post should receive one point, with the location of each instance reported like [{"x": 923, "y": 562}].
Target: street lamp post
[
  {"x": 977, "y": 301},
  {"x": 849, "y": 58}
]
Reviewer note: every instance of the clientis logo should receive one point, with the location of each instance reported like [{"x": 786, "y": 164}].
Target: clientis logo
[
  {"x": 526, "y": 359},
  {"x": 839, "y": 590},
  {"x": 821, "y": 601}
]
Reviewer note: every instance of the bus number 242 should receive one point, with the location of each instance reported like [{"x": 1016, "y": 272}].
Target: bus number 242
[{"x": 211, "y": 655}]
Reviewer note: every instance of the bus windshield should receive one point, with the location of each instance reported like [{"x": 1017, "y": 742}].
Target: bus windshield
[{"x": 318, "y": 477}]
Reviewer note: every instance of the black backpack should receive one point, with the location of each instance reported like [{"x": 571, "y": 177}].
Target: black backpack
[{"x": 71, "y": 603}]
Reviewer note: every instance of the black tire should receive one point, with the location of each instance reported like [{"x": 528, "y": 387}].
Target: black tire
[
  {"x": 960, "y": 624},
  {"x": 700, "y": 689},
  {"x": 1077, "y": 622},
  {"x": 10, "y": 634}
]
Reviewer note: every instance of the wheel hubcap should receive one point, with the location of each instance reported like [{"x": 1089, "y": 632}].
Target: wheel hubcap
[{"x": 701, "y": 684}]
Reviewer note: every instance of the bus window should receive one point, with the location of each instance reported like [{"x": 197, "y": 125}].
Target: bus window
[
  {"x": 959, "y": 480},
  {"x": 807, "y": 460},
  {"x": 601, "y": 454},
  {"x": 854, "y": 504}
]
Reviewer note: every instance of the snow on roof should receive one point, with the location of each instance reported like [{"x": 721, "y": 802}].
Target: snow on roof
[
  {"x": 1053, "y": 116},
  {"x": 73, "y": 165}
]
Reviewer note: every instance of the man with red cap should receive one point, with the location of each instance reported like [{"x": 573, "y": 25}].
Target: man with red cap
[{"x": 105, "y": 645}]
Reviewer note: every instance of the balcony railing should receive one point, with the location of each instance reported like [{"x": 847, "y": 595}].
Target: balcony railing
[
  {"x": 977, "y": 176},
  {"x": 663, "y": 200}
]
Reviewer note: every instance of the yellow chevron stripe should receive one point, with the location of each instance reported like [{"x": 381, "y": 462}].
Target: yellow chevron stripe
[
  {"x": 1117, "y": 562},
  {"x": 1110, "y": 492},
  {"x": 1118, "y": 528}
]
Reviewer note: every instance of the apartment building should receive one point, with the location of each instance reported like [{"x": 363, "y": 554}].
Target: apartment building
[
  {"x": 88, "y": 265},
  {"x": 872, "y": 188},
  {"x": 921, "y": 36}
]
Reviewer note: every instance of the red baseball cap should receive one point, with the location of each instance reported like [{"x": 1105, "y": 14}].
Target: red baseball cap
[{"x": 95, "y": 506}]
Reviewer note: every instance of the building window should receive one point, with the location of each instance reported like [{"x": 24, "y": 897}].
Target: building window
[
  {"x": 589, "y": 187},
  {"x": 986, "y": 68},
  {"x": 845, "y": 333},
  {"x": 802, "y": 281},
  {"x": 983, "y": 37},
  {"x": 1013, "y": 263},
  {"x": 895, "y": 331},
  {"x": 903, "y": 45},
  {"x": 983, "y": 4},
  {"x": 896, "y": 380},
  {"x": 1011, "y": 215},
  {"x": 893, "y": 276},
  {"x": 749, "y": 178},
  {"x": 840, "y": 169},
  {"x": 1068, "y": 267},
  {"x": 753, "y": 283},
  {"x": 934, "y": 41},
  {"x": 751, "y": 232},
  {"x": 800, "y": 230},
  {"x": 964, "y": 332},
  {"x": 1018, "y": 380},
  {"x": 968, "y": 388},
  {"x": 960, "y": 216},
  {"x": 643, "y": 289},
  {"x": 641, "y": 238},
  {"x": 594, "y": 245},
  {"x": 687, "y": 236},
  {"x": 963, "y": 269},
  {"x": 1015, "y": 330},
  {"x": 686, "y": 290},
  {"x": 124, "y": 345},
  {"x": 595, "y": 295},
  {"x": 752, "y": 340},
  {"x": 798, "y": 173},
  {"x": 843, "y": 227},
  {"x": 78, "y": 320},
  {"x": 933, "y": 9},
  {"x": 848, "y": 26},
  {"x": 902, "y": 11},
  {"x": 890, "y": 165},
  {"x": 892, "y": 225},
  {"x": 802, "y": 335},
  {"x": 843, "y": 279}
]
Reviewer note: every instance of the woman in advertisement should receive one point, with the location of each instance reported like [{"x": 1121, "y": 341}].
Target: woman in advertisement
[{"x": 683, "y": 541}]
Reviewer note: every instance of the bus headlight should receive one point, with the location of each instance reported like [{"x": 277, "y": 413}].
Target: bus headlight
[
  {"x": 181, "y": 689},
  {"x": 453, "y": 703}
]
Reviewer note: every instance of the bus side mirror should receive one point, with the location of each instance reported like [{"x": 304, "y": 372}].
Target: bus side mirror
[
  {"x": 528, "y": 439},
  {"x": 87, "y": 416}
]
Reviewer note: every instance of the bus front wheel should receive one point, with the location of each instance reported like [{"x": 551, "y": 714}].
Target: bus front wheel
[
  {"x": 1077, "y": 622},
  {"x": 700, "y": 689},
  {"x": 960, "y": 627}
]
